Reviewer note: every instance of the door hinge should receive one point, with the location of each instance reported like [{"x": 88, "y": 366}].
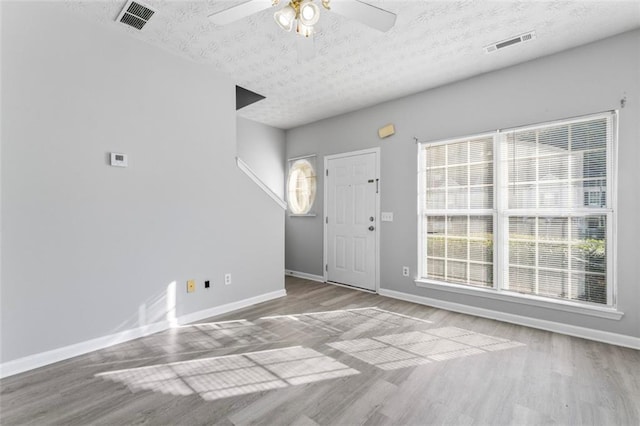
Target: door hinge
[
  {"x": 327, "y": 172},
  {"x": 326, "y": 219},
  {"x": 326, "y": 268},
  {"x": 377, "y": 184}
]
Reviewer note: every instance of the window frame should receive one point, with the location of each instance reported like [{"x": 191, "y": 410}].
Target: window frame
[
  {"x": 501, "y": 215},
  {"x": 311, "y": 160},
  {"x": 480, "y": 212}
]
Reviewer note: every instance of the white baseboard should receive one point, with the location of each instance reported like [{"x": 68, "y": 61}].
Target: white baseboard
[
  {"x": 229, "y": 307},
  {"x": 571, "y": 330},
  {"x": 30, "y": 362},
  {"x": 310, "y": 277},
  {"x": 49, "y": 357}
]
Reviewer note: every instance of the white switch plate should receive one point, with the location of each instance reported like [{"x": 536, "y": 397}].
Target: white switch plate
[{"x": 387, "y": 216}]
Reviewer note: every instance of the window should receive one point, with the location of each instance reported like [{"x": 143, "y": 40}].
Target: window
[
  {"x": 458, "y": 213},
  {"x": 544, "y": 190},
  {"x": 301, "y": 185}
]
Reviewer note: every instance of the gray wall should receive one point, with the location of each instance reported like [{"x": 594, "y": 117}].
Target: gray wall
[
  {"x": 262, "y": 147},
  {"x": 585, "y": 80},
  {"x": 87, "y": 249}
]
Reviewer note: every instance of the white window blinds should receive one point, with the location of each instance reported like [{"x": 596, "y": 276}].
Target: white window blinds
[
  {"x": 457, "y": 211},
  {"x": 559, "y": 209},
  {"x": 542, "y": 212},
  {"x": 562, "y": 166}
]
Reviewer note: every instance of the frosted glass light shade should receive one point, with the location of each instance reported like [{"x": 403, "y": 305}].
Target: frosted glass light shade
[
  {"x": 285, "y": 17},
  {"x": 309, "y": 13}
]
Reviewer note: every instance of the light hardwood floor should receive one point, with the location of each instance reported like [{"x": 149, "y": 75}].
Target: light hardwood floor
[{"x": 330, "y": 355}]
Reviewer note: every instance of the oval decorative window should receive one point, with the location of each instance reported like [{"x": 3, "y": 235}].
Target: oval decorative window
[{"x": 301, "y": 186}]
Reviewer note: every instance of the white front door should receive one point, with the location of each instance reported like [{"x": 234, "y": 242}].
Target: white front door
[{"x": 352, "y": 189}]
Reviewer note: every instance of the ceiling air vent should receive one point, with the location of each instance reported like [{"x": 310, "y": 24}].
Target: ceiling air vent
[
  {"x": 510, "y": 42},
  {"x": 135, "y": 14}
]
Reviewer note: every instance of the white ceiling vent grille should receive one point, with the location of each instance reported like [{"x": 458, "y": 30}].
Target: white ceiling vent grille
[
  {"x": 135, "y": 15},
  {"x": 510, "y": 42}
]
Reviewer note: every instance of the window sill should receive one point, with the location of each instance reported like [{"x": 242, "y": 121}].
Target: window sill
[{"x": 559, "y": 305}]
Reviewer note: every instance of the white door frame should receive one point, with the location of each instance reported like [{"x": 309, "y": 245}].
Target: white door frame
[{"x": 325, "y": 258}]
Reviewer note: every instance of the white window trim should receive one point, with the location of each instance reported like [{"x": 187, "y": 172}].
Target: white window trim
[
  {"x": 312, "y": 159},
  {"x": 523, "y": 299},
  {"x": 481, "y": 212},
  {"x": 609, "y": 311}
]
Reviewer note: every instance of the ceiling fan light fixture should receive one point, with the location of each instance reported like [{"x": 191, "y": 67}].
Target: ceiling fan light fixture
[
  {"x": 309, "y": 13},
  {"x": 304, "y": 30},
  {"x": 285, "y": 17}
]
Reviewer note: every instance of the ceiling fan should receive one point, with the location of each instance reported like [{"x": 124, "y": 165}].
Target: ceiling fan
[{"x": 304, "y": 14}]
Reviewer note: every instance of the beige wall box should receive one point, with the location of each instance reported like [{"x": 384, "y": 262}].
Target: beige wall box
[{"x": 386, "y": 131}]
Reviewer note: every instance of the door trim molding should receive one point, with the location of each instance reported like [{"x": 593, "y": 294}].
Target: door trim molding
[{"x": 325, "y": 258}]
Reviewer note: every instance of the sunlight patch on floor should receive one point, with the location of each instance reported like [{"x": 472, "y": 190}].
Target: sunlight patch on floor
[
  {"x": 224, "y": 376},
  {"x": 190, "y": 338},
  {"x": 354, "y": 321},
  {"x": 221, "y": 377},
  {"x": 403, "y": 350}
]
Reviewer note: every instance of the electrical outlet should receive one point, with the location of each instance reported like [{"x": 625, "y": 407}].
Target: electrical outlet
[
  {"x": 227, "y": 279},
  {"x": 206, "y": 284},
  {"x": 405, "y": 271},
  {"x": 191, "y": 286}
]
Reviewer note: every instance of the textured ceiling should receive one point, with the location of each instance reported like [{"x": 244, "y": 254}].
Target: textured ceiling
[{"x": 432, "y": 43}]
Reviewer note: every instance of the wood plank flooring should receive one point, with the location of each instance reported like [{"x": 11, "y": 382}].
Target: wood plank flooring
[{"x": 327, "y": 355}]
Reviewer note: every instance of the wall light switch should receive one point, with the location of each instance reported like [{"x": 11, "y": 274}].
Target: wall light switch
[{"x": 387, "y": 216}]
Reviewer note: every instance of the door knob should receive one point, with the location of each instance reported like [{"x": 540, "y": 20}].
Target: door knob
[
  {"x": 371, "y": 228},
  {"x": 371, "y": 219}
]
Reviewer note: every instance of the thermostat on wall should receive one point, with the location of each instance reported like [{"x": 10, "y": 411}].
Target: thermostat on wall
[{"x": 118, "y": 160}]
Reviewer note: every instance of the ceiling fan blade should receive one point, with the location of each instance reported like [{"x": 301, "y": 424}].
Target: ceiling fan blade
[
  {"x": 306, "y": 48},
  {"x": 369, "y": 15},
  {"x": 240, "y": 11}
]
